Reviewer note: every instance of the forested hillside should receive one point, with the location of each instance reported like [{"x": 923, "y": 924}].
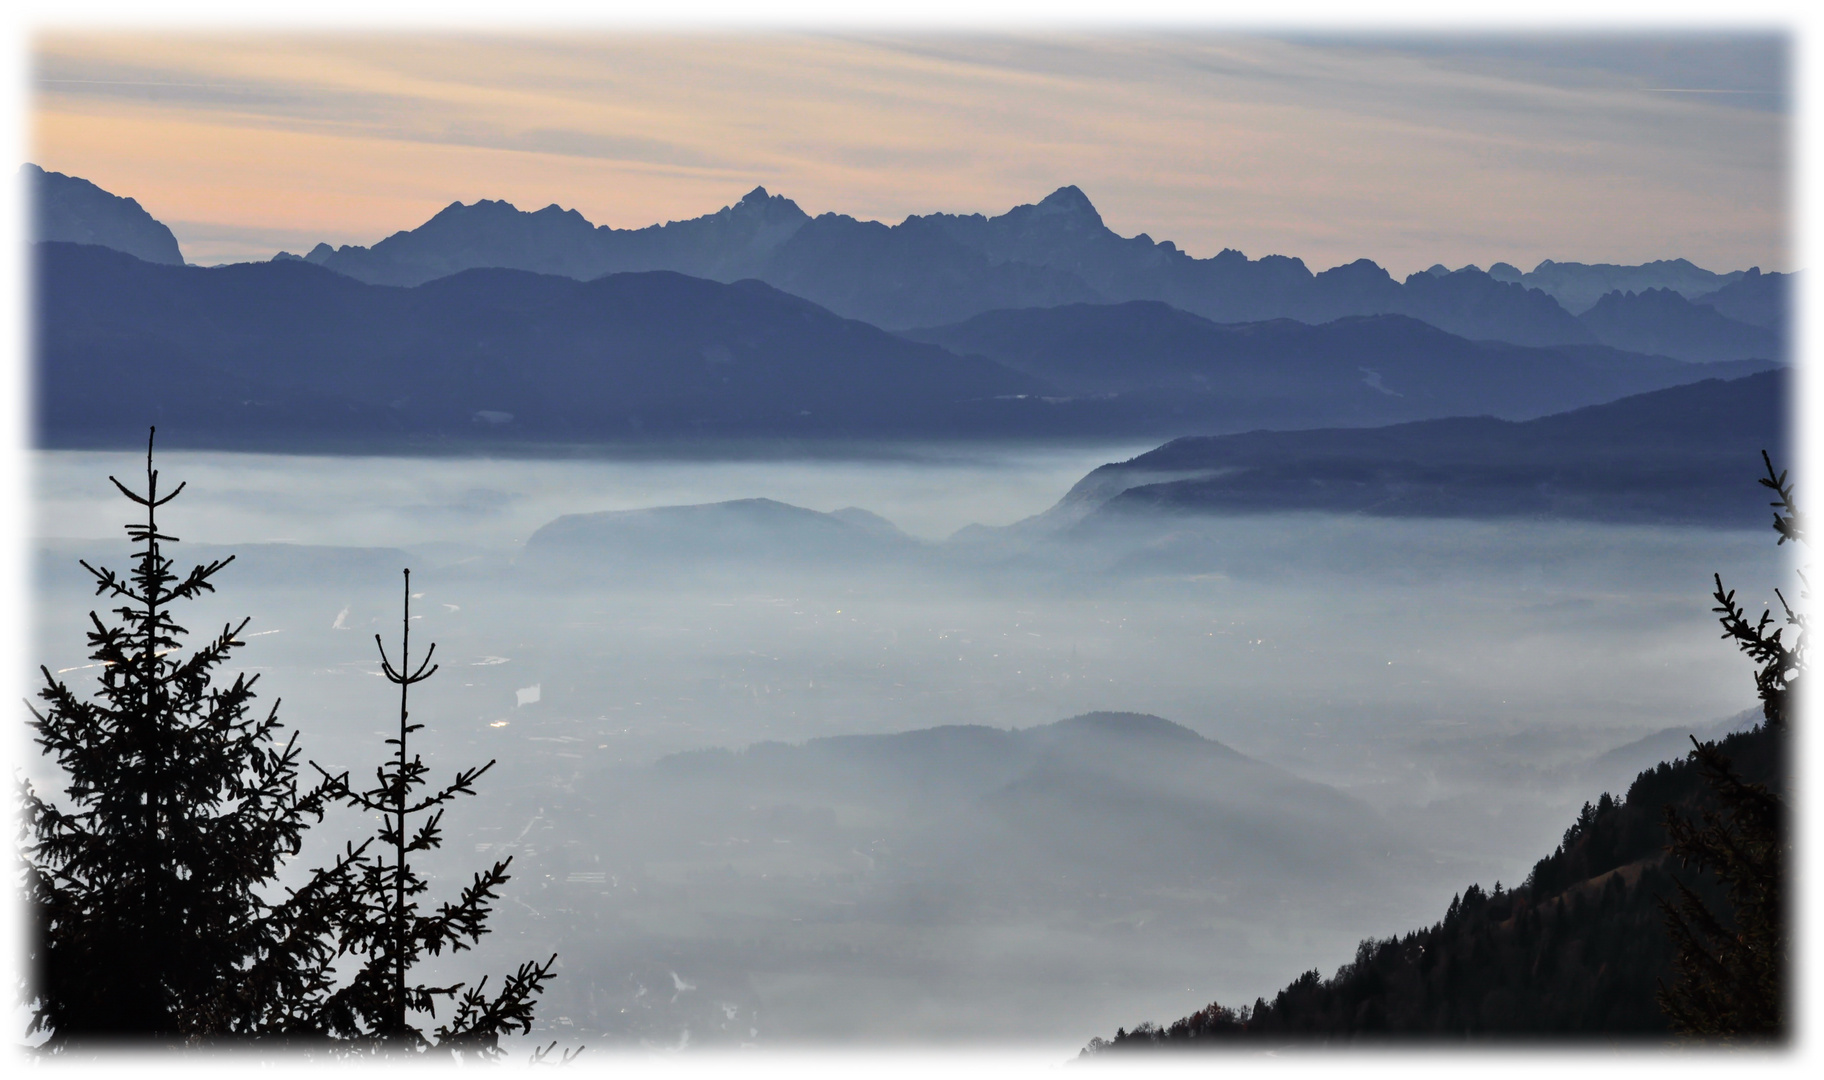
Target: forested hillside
[{"x": 1576, "y": 951}]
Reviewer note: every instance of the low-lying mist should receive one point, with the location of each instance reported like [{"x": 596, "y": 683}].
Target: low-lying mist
[{"x": 1379, "y": 712}]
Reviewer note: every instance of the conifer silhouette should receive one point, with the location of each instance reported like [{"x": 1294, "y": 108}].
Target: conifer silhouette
[
  {"x": 389, "y": 928},
  {"x": 154, "y": 913},
  {"x": 1730, "y": 968}
]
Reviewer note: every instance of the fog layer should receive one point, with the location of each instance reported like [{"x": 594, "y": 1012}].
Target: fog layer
[{"x": 1387, "y": 709}]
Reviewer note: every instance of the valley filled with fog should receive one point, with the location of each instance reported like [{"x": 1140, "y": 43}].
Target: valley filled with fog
[{"x": 1370, "y": 714}]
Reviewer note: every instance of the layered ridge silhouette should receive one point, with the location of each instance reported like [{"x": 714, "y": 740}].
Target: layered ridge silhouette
[
  {"x": 283, "y": 353},
  {"x": 1688, "y": 454}
]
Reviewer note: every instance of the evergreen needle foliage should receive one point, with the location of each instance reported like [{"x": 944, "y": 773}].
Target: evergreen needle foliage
[
  {"x": 391, "y": 929},
  {"x": 151, "y": 884},
  {"x": 1730, "y": 969}
]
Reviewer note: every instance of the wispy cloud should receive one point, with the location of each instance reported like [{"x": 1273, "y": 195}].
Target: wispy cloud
[{"x": 1407, "y": 150}]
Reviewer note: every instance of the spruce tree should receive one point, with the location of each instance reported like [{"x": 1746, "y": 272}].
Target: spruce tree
[
  {"x": 151, "y": 884},
  {"x": 1730, "y": 968},
  {"x": 391, "y": 929}
]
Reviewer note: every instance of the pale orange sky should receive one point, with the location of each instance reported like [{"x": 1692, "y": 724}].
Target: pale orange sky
[{"x": 1407, "y": 150}]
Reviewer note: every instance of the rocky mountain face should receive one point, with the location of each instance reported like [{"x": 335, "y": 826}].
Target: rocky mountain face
[
  {"x": 1660, "y": 322},
  {"x": 939, "y": 268},
  {"x": 944, "y": 268},
  {"x": 730, "y": 244},
  {"x": 1577, "y": 286},
  {"x": 72, "y": 209},
  {"x": 1755, "y": 298}
]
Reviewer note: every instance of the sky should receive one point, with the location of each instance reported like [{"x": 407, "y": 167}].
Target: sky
[{"x": 1405, "y": 148}]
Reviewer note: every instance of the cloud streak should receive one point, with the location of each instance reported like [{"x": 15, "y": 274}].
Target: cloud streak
[{"x": 1405, "y": 150}]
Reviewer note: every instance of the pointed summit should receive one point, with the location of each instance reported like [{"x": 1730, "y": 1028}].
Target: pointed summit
[
  {"x": 72, "y": 209},
  {"x": 1070, "y": 200},
  {"x": 773, "y": 211}
]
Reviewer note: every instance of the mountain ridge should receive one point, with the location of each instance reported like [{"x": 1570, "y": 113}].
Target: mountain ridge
[
  {"x": 944, "y": 267},
  {"x": 290, "y": 354},
  {"x": 1677, "y": 454},
  {"x": 75, "y": 210}
]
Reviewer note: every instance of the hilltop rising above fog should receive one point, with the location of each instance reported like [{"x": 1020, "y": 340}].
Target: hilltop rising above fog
[{"x": 1689, "y": 454}]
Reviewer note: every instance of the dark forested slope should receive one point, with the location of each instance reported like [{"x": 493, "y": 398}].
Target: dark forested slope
[
  {"x": 1684, "y": 454},
  {"x": 1576, "y": 951}
]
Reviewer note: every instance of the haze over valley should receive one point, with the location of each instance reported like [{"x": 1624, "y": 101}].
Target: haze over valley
[{"x": 1392, "y": 707}]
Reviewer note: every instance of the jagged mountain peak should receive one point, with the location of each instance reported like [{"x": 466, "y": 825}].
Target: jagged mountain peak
[
  {"x": 1070, "y": 196},
  {"x": 75, "y": 210},
  {"x": 757, "y": 207},
  {"x": 480, "y": 208},
  {"x": 1069, "y": 202}
]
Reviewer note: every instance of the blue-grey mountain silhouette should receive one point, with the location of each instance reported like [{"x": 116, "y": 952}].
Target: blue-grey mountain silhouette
[
  {"x": 281, "y": 351},
  {"x": 1758, "y": 299},
  {"x": 1285, "y": 374},
  {"x": 1472, "y": 304},
  {"x": 288, "y": 353},
  {"x": 939, "y": 268},
  {"x": 1675, "y": 455},
  {"x": 72, "y": 209},
  {"x": 942, "y": 268},
  {"x": 1578, "y": 286},
  {"x": 730, "y": 244},
  {"x": 1663, "y": 323}
]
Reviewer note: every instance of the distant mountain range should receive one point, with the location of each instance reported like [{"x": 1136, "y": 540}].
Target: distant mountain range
[
  {"x": 1285, "y": 374},
  {"x": 72, "y": 209},
  {"x": 1577, "y": 286},
  {"x": 1663, "y": 323},
  {"x": 489, "y": 325},
  {"x": 1687, "y": 454},
  {"x": 274, "y": 353},
  {"x": 941, "y": 268},
  {"x": 1757, "y": 299},
  {"x": 288, "y": 354}
]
